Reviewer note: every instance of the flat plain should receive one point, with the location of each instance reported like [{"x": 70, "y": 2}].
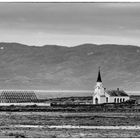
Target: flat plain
[{"x": 9, "y": 122}]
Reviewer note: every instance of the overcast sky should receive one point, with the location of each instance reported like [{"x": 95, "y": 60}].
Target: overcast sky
[{"x": 70, "y": 24}]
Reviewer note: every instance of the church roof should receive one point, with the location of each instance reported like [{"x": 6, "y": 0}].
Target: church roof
[
  {"x": 99, "y": 76},
  {"x": 102, "y": 95},
  {"x": 116, "y": 93}
]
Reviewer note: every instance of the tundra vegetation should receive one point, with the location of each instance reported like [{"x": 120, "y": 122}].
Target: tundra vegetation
[{"x": 9, "y": 122}]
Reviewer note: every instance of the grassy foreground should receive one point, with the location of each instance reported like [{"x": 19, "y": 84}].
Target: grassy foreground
[{"x": 56, "y": 118}]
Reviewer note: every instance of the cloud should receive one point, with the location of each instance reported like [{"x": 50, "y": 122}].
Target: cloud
[{"x": 46, "y": 21}]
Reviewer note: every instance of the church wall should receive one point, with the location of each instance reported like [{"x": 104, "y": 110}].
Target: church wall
[
  {"x": 94, "y": 97},
  {"x": 102, "y": 100},
  {"x": 118, "y": 99},
  {"x": 110, "y": 99}
]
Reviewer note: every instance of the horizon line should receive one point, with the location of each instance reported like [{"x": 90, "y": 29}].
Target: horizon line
[
  {"x": 68, "y": 46},
  {"x": 137, "y": 91}
]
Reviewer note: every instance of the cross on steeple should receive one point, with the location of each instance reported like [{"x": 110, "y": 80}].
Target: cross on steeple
[{"x": 99, "y": 76}]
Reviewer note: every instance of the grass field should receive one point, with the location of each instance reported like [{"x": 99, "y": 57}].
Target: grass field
[{"x": 8, "y": 119}]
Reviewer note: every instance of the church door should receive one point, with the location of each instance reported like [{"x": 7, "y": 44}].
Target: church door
[
  {"x": 106, "y": 99},
  {"x": 96, "y": 100}
]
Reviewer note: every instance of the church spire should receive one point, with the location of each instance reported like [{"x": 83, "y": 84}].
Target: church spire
[{"x": 99, "y": 76}]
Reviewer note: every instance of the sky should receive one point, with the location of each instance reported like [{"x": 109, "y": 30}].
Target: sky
[{"x": 70, "y": 24}]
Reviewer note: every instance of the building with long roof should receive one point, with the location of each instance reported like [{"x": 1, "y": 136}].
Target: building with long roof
[
  {"x": 20, "y": 98},
  {"x": 17, "y": 96}
]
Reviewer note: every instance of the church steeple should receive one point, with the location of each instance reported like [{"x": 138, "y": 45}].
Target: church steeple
[{"x": 99, "y": 76}]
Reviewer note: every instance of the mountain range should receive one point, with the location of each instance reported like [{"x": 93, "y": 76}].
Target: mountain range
[{"x": 53, "y": 67}]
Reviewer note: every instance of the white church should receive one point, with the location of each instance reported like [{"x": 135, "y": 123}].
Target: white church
[{"x": 101, "y": 95}]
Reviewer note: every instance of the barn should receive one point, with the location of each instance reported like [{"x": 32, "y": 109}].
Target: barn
[
  {"x": 17, "y": 96},
  {"x": 20, "y": 98}
]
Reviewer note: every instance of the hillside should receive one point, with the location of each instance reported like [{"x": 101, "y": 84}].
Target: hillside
[{"x": 53, "y": 67}]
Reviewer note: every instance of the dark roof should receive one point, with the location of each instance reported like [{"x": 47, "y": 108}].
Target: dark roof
[
  {"x": 116, "y": 93},
  {"x": 102, "y": 96},
  {"x": 17, "y": 96},
  {"x": 99, "y": 76}
]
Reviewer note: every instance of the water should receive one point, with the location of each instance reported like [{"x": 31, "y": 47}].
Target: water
[{"x": 78, "y": 127}]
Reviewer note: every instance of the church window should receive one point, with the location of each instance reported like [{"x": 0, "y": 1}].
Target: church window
[
  {"x": 118, "y": 100},
  {"x": 123, "y": 99},
  {"x": 115, "y": 100}
]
